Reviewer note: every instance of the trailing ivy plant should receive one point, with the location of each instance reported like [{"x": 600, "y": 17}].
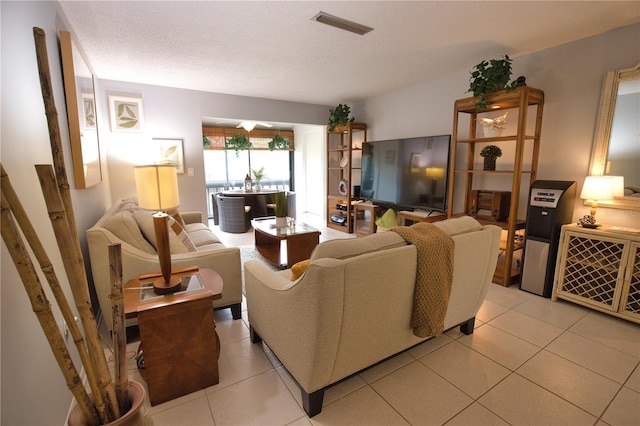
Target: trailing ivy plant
[
  {"x": 490, "y": 77},
  {"x": 238, "y": 142},
  {"x": 278, "y": 142},
  {"x": 339, "y": 116},
  {"x": 206, "y": 143}
]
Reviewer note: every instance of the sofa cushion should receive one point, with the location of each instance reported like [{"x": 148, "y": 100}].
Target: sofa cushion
[
  {"x": 145, "y": 222},
  {"x": 123, "y": 225},
  {"x": 345, "y": 248},
  {"x": 202, "y": 237},
  {"x": 298, "y": 269}
]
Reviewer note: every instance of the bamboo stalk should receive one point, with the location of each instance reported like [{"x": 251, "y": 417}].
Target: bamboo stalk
[
  {"x": 77, "y": 276},
  {"x": 42, "y": 309},
  {"x": 54, "y": 130},
  {"x": 39, "y": 252},
  {"x": 119, "y": 336}
]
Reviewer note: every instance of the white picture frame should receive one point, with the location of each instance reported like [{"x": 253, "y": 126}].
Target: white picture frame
[
  {"x": 169, "y": 151},
  {"x": 126, "y": 114}
]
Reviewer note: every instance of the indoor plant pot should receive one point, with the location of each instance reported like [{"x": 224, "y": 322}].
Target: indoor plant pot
[
  {"x": 280, "y": 200},
  {"x": 135, "y": 415},
  {"x": 490, "y": 153}
]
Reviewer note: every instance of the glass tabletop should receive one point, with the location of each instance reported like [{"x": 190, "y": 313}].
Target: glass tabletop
[
  {"x": 268, "y": 225},
  {"x": 189, "y": 283}
]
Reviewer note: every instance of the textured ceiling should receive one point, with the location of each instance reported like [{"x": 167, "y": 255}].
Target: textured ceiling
[{"x": 272, "y": 49}]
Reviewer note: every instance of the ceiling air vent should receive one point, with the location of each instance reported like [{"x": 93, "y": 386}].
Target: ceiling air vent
[{"x": 343, "y": 24}]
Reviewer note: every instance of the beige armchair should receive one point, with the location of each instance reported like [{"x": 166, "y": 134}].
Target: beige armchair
[{"x": 352, "y": 306}]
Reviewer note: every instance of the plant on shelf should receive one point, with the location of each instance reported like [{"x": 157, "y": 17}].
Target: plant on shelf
[
  {"x": 278, "y": 142},
  {"x": 490, "y": 77},
  {"x": 339, "y": 116},
  {"x": 490, "y": 153},
  {"x": 238, "y": 142},
  {"x": 206, "y": 143}
]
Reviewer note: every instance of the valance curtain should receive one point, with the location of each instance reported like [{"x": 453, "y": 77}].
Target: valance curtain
[{"x": 259, "y": 138}]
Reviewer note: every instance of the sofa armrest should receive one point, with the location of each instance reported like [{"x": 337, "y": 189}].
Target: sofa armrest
[
  {"x": 299, "y": 320},
  {"x": 191, "y": 217}
]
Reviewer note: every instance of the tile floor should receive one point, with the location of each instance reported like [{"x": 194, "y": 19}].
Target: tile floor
[{"x": 530, "y": 361}]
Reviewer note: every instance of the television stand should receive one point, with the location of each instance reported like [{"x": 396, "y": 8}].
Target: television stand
[{"x": 419, "y": 216}]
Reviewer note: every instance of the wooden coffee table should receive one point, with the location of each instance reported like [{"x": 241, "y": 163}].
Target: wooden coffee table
[
  {"x": 177, "y": 334},
  {"x": 299, "y": 241}
]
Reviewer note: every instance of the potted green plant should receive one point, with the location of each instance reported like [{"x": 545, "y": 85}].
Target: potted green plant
[
  {"x": 206, "y": 143},
  {"x": 339, "y": 116},
  {"x": 281, "y": 208},
  {"x": 258, "y": 175},
  {"x": 278, "y": 142},
  {"x": 489, "y": 77},
  {"x": 238, "y": 142},
  {"x": 490, "y": 153}
]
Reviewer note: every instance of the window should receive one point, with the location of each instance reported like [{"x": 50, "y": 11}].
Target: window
[{"x": 224, "y": 170}]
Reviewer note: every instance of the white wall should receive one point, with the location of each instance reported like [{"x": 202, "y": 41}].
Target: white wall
[
  {"x": 571, "y": 76},
  {"x": 33, "y": 390}
]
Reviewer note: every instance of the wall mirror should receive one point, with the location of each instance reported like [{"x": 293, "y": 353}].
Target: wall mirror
[
  {"x": 81, "y": 112},
  {"x": 616, "y": 148}
]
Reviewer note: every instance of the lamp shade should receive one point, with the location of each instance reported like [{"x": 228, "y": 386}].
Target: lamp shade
[
  {"x": 597, "y": 188},
  {"x": 618, "y": 186},
  {"x": 157, "y": 187}
]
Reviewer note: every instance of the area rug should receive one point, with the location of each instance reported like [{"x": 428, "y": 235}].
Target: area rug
[{"x": 250, "y": 253}]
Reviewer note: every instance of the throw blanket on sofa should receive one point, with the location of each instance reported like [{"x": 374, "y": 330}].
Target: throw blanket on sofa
[{"x": 434, "y": 276}]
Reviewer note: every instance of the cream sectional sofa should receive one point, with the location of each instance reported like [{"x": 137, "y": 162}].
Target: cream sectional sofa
[
  {"x": 352, "y": 306},
  {"x": 132, "y": 227}
]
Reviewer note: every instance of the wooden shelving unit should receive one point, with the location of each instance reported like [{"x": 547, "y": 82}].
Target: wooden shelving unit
[
  {"x": 516, "y": 101},
  {"x": 344, "y": 145}
]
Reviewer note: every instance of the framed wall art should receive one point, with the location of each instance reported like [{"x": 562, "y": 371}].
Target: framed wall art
[
  {"x": 169, "y": 151},
  {"x": 126, "y": 114}
]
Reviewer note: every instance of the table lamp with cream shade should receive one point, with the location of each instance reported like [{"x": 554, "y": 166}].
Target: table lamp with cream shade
[
  {"x": 157, "y": 188},
  {"x": 600, "y": 188}
]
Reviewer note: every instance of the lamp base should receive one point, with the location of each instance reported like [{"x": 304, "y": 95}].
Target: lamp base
[{"x": 162, "y": 287}]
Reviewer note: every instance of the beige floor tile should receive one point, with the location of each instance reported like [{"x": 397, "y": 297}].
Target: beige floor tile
[
  {"x": 429, "y": 346},
  {"x": 302, "y": 421},
  {"x": 527, "y": 328},
  {"x": 465, "y": 368},
  {"x": 259, "y": 400},
  {"x": 239, "y": 361},
  {"x": 561, "y": 313},
  {"x": 490, "y": 310},
  {"x": 342, "y": 389},
  {"x": 362, "y": 407},
  {"x": 507, "y": 296},
  {"x": 594, "y": 356},
  {"x": 504, "y": 348},
  {"x": 421, "y": 396},
  {"x": 372, "y": 374},
  {"x": 520, "y": 402},
  {"x": 625, "y": 409},
  {"x": 634, "y": 381},
  {"x": 195, "y": 412},
  {"x": 476, "y": 415},
  {"x": 291, "y": 384},
  {"x": 230, "y": 330},
  {"x": 584, "y": 388},
  {"x": 611, "y": 331}
]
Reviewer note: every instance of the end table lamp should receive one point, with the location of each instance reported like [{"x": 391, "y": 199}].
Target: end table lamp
[
  {"x": 157, "y": 188},
  {"x": 600, "y": 188}
]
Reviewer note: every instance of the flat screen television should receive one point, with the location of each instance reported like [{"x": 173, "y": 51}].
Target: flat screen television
[{"x": 410, "y": 172}]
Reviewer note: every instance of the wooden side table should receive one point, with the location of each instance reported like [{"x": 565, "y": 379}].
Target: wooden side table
[
  {"x": 177, "y": 334},
  {"x": 300, "y": 242}
]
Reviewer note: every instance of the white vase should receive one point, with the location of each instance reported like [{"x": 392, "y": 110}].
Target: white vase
[
  {"x": 257, "y": 187},
  {"x": 491, "y": 132},
  {"x": 281, "y": 222}
]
